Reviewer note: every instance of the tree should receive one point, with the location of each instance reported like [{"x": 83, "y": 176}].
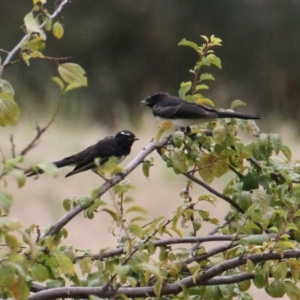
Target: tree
[{"x": 259, "y": 236}]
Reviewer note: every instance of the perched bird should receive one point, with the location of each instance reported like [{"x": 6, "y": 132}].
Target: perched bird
[
  {"x": 183, "y": 114},
  {"x": 118, "y": 146}
]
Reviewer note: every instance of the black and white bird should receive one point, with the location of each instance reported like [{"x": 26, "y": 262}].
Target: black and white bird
[
  {"x": 183, "y": 114},
  {"x": 118, "y": 146}
]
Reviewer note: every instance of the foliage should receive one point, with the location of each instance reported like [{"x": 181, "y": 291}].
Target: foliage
[
  {"x": 36, "y": 24},
  {"x": 259, "y": 237}
]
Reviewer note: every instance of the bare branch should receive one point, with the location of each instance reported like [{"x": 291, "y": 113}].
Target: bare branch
[
  {"x": 206, "y": 278},
  {"x": 106, "y": 186},
  {"x": 27, "y": 36}
]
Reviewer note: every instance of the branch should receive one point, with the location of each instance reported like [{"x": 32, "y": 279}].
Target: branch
[
  {"x": 230, "y": 279},
  {"x": 206, "y": 278},
  {"x": 213, "y": 191},
  {"x": 18, "y": 46},
  {"x": 105, "y": 187},
  {"x": 185, "y": 240},
  {"x": 210, "y": 253}
]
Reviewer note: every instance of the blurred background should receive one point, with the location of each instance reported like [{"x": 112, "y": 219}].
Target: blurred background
[{"x": 129, "y": 50}]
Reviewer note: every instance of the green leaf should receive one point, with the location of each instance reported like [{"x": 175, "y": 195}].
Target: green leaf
[
  {"x": 72, "y": 86},
  {"x": 67, "y": 203},
  {"x": 152, "y": 269},
  {"x": 54, "y": 284},
  {"x": 184, "y": 89},
  {"x": 9, "y": 110},
  {"x": 157, "y": 287},
  {"x": 48, "y": 24},
  {"x": 6, "y": 87},
  {"x": 178, "y": 161},
  {"x": 292, "y": 290},
  {"x": 276, "y": 289},
  {"x": 35, "y": 44},
  {"x": 85, "y": 265},
  {"x": 136, "y": 230},
  {"x": 64, "y": 263},
  {"x": 202, "y": 100},
  {"x": 206, "y": 165},
  {"x": 185, "y": 42},
  {"x": 259, "y": 281},
  {"x": 194, "y": 268},
  {"x": 178, "y": 138},
  {"x": 5, "y": 201},
  {"x": 213, "y": 293},
  {"x": 287, "y": 152},
  {"x": 58, "y": 30},
  {"x": 19, "y": 177},
  {"x": 295, "y": 269},
  {"x": 244, "y": 200},
  {"x": 215, "y": 41},
  {"x": 73, "y": 74},
  {"x": 32, "y": 26},
  {"x": 132, "y": 281},
  {"x": 237, "y": 103},
  {"x": 262, "y": 198},
  {"x": 256, "y": 239},
  {"x": 112, "y": 214},
  {"x": 163, "y": 126},
  {"x": 206, "y": 76},
  {"x": 214, "y": 60},
  {"x": 148, "y": 162},
  {"x": 136, "y": 208},
  {"x": 122, "y": 271},
  {"x": 12, "y": 242},
  {"x": 280, "y": 271},
  {"x": 48, "y": 168},
  {"x": 250, "y": 182},
  {"x": 244, "y": 285},
  {"x": 39, "y": 272},
  {"x": 227, "y": 291},
  {"x": 202, "y": 87},
  {"x": 276, "y": 142},
  {"x": 219, "y": 134},
  {"x": 91, "y": 297},
  {"x": 59, "y": 82}
]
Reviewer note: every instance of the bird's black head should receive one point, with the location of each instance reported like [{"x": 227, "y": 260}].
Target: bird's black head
[
  {"x": 125, "y": 137},
  {"x": 154, "y": 99}
]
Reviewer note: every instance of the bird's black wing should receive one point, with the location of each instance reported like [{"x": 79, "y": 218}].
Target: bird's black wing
[
  {"x": 103, "y": 150},
  {"x": 184, "y": 110}
]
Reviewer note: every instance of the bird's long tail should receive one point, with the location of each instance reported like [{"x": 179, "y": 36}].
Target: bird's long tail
[
  {"x": 58, "y": 164},
  {"x": 229, "y": 114}
]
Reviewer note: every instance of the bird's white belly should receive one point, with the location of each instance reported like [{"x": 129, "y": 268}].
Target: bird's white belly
[{"x": 186, "y": 122}]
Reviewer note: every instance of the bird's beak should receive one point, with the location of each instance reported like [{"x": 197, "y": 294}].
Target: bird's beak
[
  {"x": 136, "y": 139},
  {"x": 143, "y": 103}
]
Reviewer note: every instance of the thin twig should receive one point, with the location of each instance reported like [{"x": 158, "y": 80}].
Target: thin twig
[
  {"x": 213, "y": 191},
  {"x": 13, "y": 146},
  {"x": 40, "y": 131}
]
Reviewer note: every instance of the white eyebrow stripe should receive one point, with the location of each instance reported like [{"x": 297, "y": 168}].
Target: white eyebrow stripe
[{"x": 125, "y": 133}]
